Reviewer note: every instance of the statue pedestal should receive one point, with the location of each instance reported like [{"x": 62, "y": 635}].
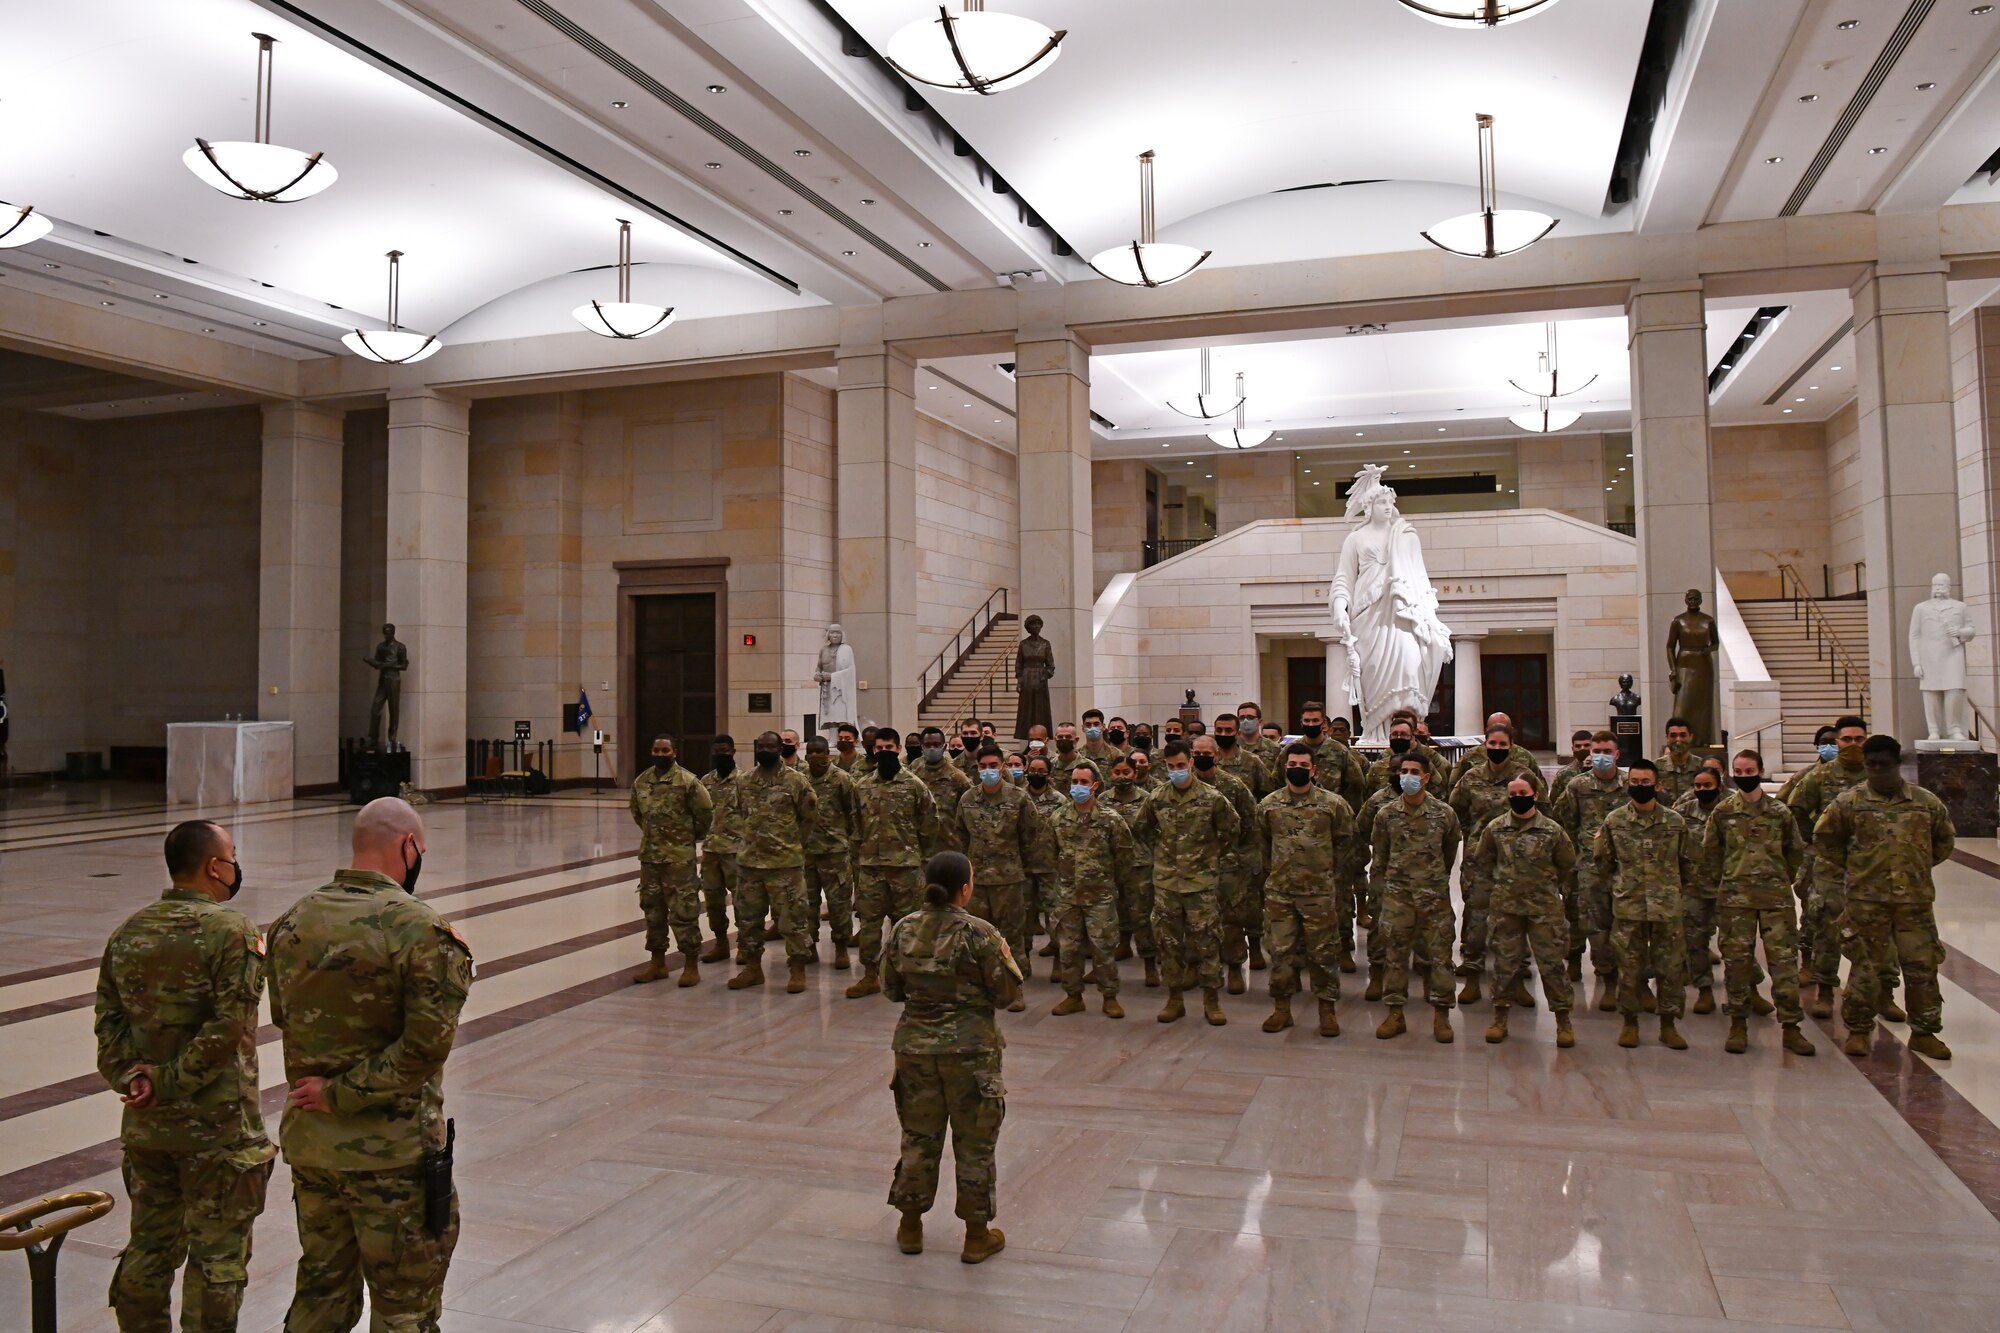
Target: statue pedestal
[
  {"x": 1967, "y": 780},
  {"x": 1629, "y": 728}
]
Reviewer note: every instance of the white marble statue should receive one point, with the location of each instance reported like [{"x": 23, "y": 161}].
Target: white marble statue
[
  {"x": 1385, "y": 610},
  {"x": 1939, "y": 630},
  {"x": 837, "y": 696}
]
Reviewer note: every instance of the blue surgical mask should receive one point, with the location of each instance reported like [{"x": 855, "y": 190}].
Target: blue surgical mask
[
  {"x": 1093, "y": 734},
  {"x": 1603, "y": 763},
  {"x": 1014, "y": 772},
  {"x": 1410, "y": 783},
  {"x": 1079, "y": 792},
  {"x": 1180, "y": 777},
  {"x": 1829, "y": 752},
  {"x": 989, "y": 777}
]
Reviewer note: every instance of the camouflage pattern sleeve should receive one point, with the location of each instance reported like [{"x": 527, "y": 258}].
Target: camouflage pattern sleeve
[
  {"x": 1829, "y": 843},
  {"x": 805, "y": 802},
  {"x": 1038, "y": 841},
  {"x": 1453, "y": 835},
  {"x": 701, "y": 809},
  {"x": 1566, "y": 812},
  {"x": 1944, "y": 837},
  {"x": 892, "y": 973},
  {"x": 1484, "y": 853},
  {"x": 1712, "y": 845},
  {"x": 437, "y": 973},
  {"x": 1604, "y": 853},
  {"x": 116, "y": 1051},
  {"x": 1685, "y": 856},
  {"x": 237, "y": 981},
  {"x": 998, "y": 972},
  {"x": 1125, "y": 866},
  {"x": 1565, "y": 859},
  {"x": 1228, "y": 826},
  {"x": 1797, "y": 850}
]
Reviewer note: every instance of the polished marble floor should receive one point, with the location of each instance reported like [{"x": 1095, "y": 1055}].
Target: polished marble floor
[{"x": 656, "y": 1159}]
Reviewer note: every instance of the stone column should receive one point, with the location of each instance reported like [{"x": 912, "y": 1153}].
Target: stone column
[
  {"x": 1052, "y": 409},
  {"x": 426, "y": 579},
  {"x": 1976, "y": 391},
  {"x": 876, "y": 516},
  {"x": 1339, "y": 697},
  {"x": 1909, "y": 482},
  {"x": 298, "y": 614},
  {"x": 1671, "y": 482},
  {"x": 1468, "y": 713}
]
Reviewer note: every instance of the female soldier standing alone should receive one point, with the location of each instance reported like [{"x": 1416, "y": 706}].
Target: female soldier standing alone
[{"x": 950, "y": 971}]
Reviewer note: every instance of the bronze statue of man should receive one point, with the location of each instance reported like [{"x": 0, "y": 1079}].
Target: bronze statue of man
[
  {"x": 1691, "y": 647},
  {"x": 1034, "y": 668},
  {"x": 390, "y": 660}
]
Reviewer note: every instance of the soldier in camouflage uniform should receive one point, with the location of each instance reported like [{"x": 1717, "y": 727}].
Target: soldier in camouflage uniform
[
  {"x": 1096, "y": 750},
  {"x": 778, "y": 810},
  {"x": 1414, "y": 840},
  {"x": 177, "y": 1039},
  {"x": 1528, "y": 862},
  {"x": 1463, "y": 764},
  {"x": 366, "y": 985},
  {"x": 1679, "y": 764},
  {"x": 1305, "y": 832},
  {"x": 1003, "y": 833},
  {"x": 847, "y": 752},
  {"x": 1577, "y": 767},
  {"x": 1367, "y": 892},
  {"x": 673, "y": 811},
  {"x": 1192, "y": 826},
  {"x": 1094, "y": 869},
  {"x": 950, "y": 971},
  {"x": 1479, "y": 797},
  {"x": 1239, "y": 865},
  {"x": 1581, "y": 811},
  {"x": 830, "y": 850},
  {"x": 1039, "y": 784},
  {"x": 1236, "y": 757},
  {"x": 1698, "y": 894},
  {"x": 1135, "y": 899},
  {"x": 1813, "y": 794},
  {"x": 1751, "y": 850},
  {"x": 936, "y": 771},
  {"x": 1876, "y": 846},
  {"x": 1066, "y": 756},
  {"x": 968, "y": 756},
  {"x": 1643, "y": 851},
  {"x": 896, "y": 815},
  {"x": 1340, "y": 770},
  {"x": 718, "y": 849}
]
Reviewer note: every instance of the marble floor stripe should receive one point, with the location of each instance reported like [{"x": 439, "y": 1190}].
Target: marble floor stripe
[{"x": 152, "y": 828}]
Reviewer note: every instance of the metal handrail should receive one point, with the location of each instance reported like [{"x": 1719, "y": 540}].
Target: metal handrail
[
  {"x": 988, "y": 688},
  {"x": 1826, "y": 642},
  {"x": 968, "y": 638}
]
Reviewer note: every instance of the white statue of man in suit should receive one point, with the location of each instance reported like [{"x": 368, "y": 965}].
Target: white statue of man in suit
[
  {"x": 837, "y": 695},
  {"x": 1939, "y": 630}
]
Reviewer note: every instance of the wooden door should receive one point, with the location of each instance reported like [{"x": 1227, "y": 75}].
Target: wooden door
[
  {"x": 1305, "y": 682},
  {"x": 674, "y": 680},
  {"x": 1517, "y": 684}
]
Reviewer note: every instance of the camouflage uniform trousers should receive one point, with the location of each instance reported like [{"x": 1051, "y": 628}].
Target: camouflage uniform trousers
[
  {"x": 1513, "y": 936},
  {"x": 1005, "y": 908},
  {"x": 356, "y": 1225},
  {"x": 964, "y": 1092},
  {"x": 1421, "y": 922},
  {"x": 1302, "y": 927},
  {"x": 782, "y": 894},
  {"x": 1649, "y": 949},
  {"x": 1236, "y": 905},
  {"x": 830, "y": 880},
  {"x": 1135, "y": 914},
  {"x": 1088, "y": 928},
  {"x": 1476, "y": 887},
  {"x": 718, "y": 886},
  {"x": 1875, "y": 935},
  {"x": 1740, "y": 928},
  {"x": 1592, "y": 919},
  {"x": 1827, "y": 910},
  {"x": 192, "y": 1207},
  {"x": 669, "y": 897},
  {"x": 1697, "y": 928},
  {"x": 884, "y": 892},
  {"x": 1187, "y": 929}
]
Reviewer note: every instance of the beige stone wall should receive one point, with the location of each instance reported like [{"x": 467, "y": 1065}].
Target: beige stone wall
[
  {"x": 1562, "y": 472},
  {"x": 1118, "y": 517},
  {"x": 968, "y": 530},
  {"x": 1975, "y": 380},
  {"x": 810, "y": 569},
  {"x": 1843, "y": 501},
  {"x": 1253, "y": 485},
  {"x": 1771, "y": 505},
  {"x": 44, "y": 585},
  {"x": 364, "y": 553}
]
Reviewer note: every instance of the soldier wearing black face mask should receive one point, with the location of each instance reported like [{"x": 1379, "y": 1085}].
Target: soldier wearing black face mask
[{"x": 718, "y": 850}]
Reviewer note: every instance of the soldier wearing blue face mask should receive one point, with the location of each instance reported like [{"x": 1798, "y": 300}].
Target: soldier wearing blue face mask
[
  {"x": 1582, "y": 810},
  {"x": 1415, "y": 839}
]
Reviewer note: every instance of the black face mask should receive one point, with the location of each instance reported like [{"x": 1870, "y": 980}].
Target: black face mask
[
  {"x": 1310, "y": 733},
  {"x": 237, "y": 886},
  {"x": 663, "y": 762},
  {"x": 1038, "y": 780},
  {"x": 888, "y": 763},
  {"x": 1223, "y": 742},
  {"x": 788, "y": 751},
  {"x": 1115, "y": 736},
  {"x": 914, "y": 751},
  {"x": 725, "y": 764},
  {"x": 1204, "y": 762},
  {"x": 410, "y": 873},
  {"x": 1143, "y": 741},
  {"x": 766, "y": 758},
  {"x": 1520, "y": 805},
  {"x": 1707, "y": 797},
  {"x": 1173, "y": 736},
  {"x": 1399, "y": 745},
  {"x": 1497, "y": 757},
  {"x": 1748, "y": 785},
  {"x": 1299, "y": 777},
  {"x": 1641, "y": 792}
]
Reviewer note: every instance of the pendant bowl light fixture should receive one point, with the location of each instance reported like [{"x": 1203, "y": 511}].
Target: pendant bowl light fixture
[
  {"x": 20, "y": 225},
  {"x": 259, "y": 169},
  {"x": 624, "y": 318},
  {"x": 974, "y": 51},
  {"x": 1493, "y": 231},
  {"x": 395, "y": 345},
  {"x": 1147, "y": 262},
  {"x": 1477, "y": 13},
  {"x": 1544, "y": 386},
  {"x": 1239, "y": 436},
  {"x": 1207, "y": 406}
]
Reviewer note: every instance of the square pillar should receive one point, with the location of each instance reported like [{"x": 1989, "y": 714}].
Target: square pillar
[
  {"x": 1909, "y": 472},
  {"x": 1468, "y": 712},
  {"x": 298, "y": 583},
  {"x": 428, "y": 435},
  {"x": 1670, "y": 474},
  {"x": 1052, "y": 410},
  {"x": 875, "y": 439},
  {"x": 1976, "y": 390}
]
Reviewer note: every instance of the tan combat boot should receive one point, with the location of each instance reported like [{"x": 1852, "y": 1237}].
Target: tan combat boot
[
  {"x": 1020, "y": 1005},
  {"x": 1048, "y": 950},
  {"x": 1173, "y": 1011},
  {"x": 1441, "y": 1024},
  {"x": 1257, "y": 963},
  {"x": 1281, "y": 1014},
  {"x": 1069, "y": 1004},
  {"x": 1929, "y": 1044},
  {"x": 1152, "y": 974},
  {"x": 1469, "y": 992},
  {"x": 981, "y": 1243},
  {"x": 1607, "y": 998},
  {"x": 1346, "y": 961},
  {"x": 1796, "y": 1041},
  {"x": 1211, "y": 1009},
  {"x": 1738, "y": 1040},
  {"x": 690, "y": 972},
  {"x": 1565, "y": 1034},
  {"x": 1235, "y": 979},
  {"x": 841, "y": 962},
  {"x": 1888, "y": 1010},
  {"x": 1822, "y": 1005},
  {"x": 1329, "y": 1019},
  {"x": 1521, "y": 995},
  {"x": 1649, "y": 1002},
  {"x": 750, "y": 974},
  {"x": 1704, "y": 1000},
  {"x": 1760, "y": 1006},
  {"x": 1113, "y": 1009},
  {"x": 870, "y": 983},
  {"x": 1392, "y": 1026},
  {"x": 1670, "y": 1036},
  {"x": 716, "y": 950},
  {"x": 910, "y": 1232},
  {"x": 1374, "y": 991},
  {"x": 1628, "y": 1036},
  {"x": 1858, "y": 1044},
  {"x": 1496, "y": 1031},
  {"x": 795, "y": 977},
  {"x": 1124, "y": 948},
  {"x": 655, "y": 970}
]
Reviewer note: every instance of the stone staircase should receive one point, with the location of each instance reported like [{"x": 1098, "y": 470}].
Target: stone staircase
[
  {"x": 954, "y": 700},
  {"x": 1810, "y": 690}
]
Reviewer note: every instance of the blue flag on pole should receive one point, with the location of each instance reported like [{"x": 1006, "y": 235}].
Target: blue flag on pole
[{"x": 582, "y": 709}]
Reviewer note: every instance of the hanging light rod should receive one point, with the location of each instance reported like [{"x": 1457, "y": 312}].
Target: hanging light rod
[
  {"x": 624, "y": 318},
  {"x": 1147, "y": 262},
  {"x": 1547, "y": 381},
  {"x": 1239, "y": 436},
  {"x": 1493, "y": 231},
  {"x": 395, "y": 345},
  {"x": 974, "y": 51},
  {"x": 21, "y": 225},
  {"x": 1206, "y": 407},
  {"x": 257, "y": 168},
  {"x": 1478, "y": 13}
]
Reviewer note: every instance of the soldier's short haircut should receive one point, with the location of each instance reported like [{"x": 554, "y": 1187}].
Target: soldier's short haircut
[
  {"x": 988, "y": 751},
  {"x": 664, "y": 739},
  {"x": 1642, "y": 765},
  {"x": 1412, "y": 757},
  {"x": 1712, "y": 770},
  {"x": 1825, "y": 734},
  {"x": 845, "y": 729},
  {"x": 971, "y": 722},
  {"x": 1500, "y": 729},
  {"x": 1580, "y": 734},
  {"x": 1250, "y": 706},
  {"x": 933, "y": 731},
  {"x": 1600, "y": 737},
  {"x": 1841, "y": 724},
  {"x": 1175, "y": 749},
  {"x": 1197, "y": 728},
  {"x": 1888, "y": 745},
  {"x": 1753, "y": 756},
  {"x": 1678, "y": 721},
  {"x": 1039, "y": 758},
  {"x": 889, "y": 734},
  {"x": 1298, "y": 747},
  {"x": 1086, "y": 770},
  {"x": 817, "y": 745},
  {"x": 1230, "y": 718},
  {"x": 1405, "y": 714},
  {"x": 1121, "y": 758},
  {"x": 1342, "y": 720},
  {"x": 1312, "y": 706},
  {"x": 1402, "y": 720},
  {"x": 190, "y": 845},
  {"x": 724, "y": 738},
  {"x": 1097, "y": 713}
]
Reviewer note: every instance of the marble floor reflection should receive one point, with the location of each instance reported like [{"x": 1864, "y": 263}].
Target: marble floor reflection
[{"x": 638, "y": 1160}]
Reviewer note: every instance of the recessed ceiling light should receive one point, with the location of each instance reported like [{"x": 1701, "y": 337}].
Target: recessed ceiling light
[
  {"x": 1357, "y": 434},
  {"x": 1980, "y": 11},
  {"x": 1166, "y": 444},
  {"x": 1406, "y": 451},
  {"x": 208, "y": 330},
  {"x": 1833, "y": 367},
  {"x": 713, "y": 166},
  {"x": 1727, "y": 364},
  {"x": 1208, "y": 476},
  {"x": 1607, "y": 488},
  {"x": 1774, "y": 161},
  {"x": 1925, "y": 87},
  {"x": 848, "y": 253},
  {"x": 923, "y": 245},
  {"x": 996, "y": 421},
  {"x": 1190, "y": 462},
  {"x": 969, "y": 404},
  {"x": 1798, "y": 400},
  {"x": 46, "y": 264},
  {"x": 1315, "y": 483},
  {"x": 1621, "y": 469},
  {"x": 1809, "y": 97},
  {"x": 620, "y": 104},
  {"x": 1812, "y": 388},
  {"x": 1411, "y": 465},
  {"x": 1848, "y": 25},
  {"x": 717, "y": 88},
  {"x": 1309, "y": 472},
  {"x": 784, "y": 212},
  {"x": 159, "y": 296},
  {"x": 1440, "y": 430},
  {"x": 263, "y": 324},
  {"x": 867, "y": 201},
  {"x": 107, "y": 303},
  {"x": 1877, "y": 152},
  {"x": 802, "y": 152},
  {"x": 1788, "y": 411}
]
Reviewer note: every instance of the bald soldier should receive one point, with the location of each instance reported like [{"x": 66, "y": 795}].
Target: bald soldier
[
  {"x": 177, "y": 1039},
  {"x": 366, "y": 986}
]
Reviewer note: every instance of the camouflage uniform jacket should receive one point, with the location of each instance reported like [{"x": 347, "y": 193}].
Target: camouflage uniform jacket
[
  {"x": 1676, "y": 777},
  {"x": 838, "y": 823},
  {"x": 1751, "y": 853},
  {"x": 1364, "y": 831},
  {"x": 366, "y": 984},
  {"x": 1440, "y": 779},
  {"x": 950, "y": 971},
  {"x": 1519, "y": 760},
  {"x": 1701, "y": 884},
  {"x": 778, "y": 809},
  {"x": 1414, "y": 848},
  {"x": 1247, "y": 856},
  {"x": 1565, "y": 775},
  {"x": 673, "y": 812},
  {"x": 1307, "y": 836},
  {"x": 1247, "y": 768},
  {"x": 967, "y": 762},
  {"x": 1003, "y": 832},
  {"x": 1048, "y": 802},
  {"x": 1818, "y": 788},
  {"x": 1095, "y": 861},
  {"x": 1101, "y": 756},
  {"x": 1482, "y": 793},
  {"x": 1192, "y": 828},
  {"x": 1647, "y": 858},
  {"x": 1532, "y": 862},
  {"x": 725, "y": 823},
  {"x": 895, "y": 815},
  {"x": 855, "y": 765},
  {"x": 1062, "y": 765},
  {"x": 1125, "y": 804},
  {"x": 1338, "y": 769},
  {"x": 947, "y": 784},
  {"x": 1882, "y": 848},
  {"x": 178, "y": 990},
  {"x": 1582, "y": 810}
]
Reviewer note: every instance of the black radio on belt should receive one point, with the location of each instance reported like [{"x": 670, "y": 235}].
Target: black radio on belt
[{"x": 437, "y": 1184}]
